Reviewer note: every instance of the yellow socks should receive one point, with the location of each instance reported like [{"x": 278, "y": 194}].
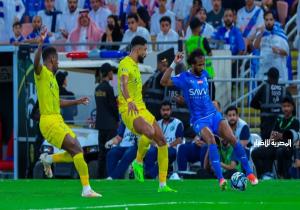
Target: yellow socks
[
  {"x": 143, "y": 146},
  {"x": 82, "y": 169},
  {"x": 64, "y": 157},
  {"x": 163, "y": 161}
]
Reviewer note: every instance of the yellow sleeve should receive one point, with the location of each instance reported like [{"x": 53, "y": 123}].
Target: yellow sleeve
[
  {"x": 123, "y": 69},
  {"x": 39, "y": 76}
]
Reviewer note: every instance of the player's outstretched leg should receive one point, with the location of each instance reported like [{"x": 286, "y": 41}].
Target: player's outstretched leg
[
  {"x": 214, "y": 156},
  {"x": 238, "y": 149},
  {"x": 162, "y": 159},
  {"x": 72, "y": 146},
  {"x": 47, "y": 160}
]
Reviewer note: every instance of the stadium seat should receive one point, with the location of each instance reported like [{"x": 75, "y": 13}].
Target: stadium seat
[
  {"x": 26, "y": 29},
  {"x": 282, "y": 9}
]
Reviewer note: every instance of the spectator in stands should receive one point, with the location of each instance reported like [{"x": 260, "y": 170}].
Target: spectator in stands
[
  {"x": 229, "y": 162},
  {"x": 36, "y": 32},
  {"x": 153, "y": 91},
  {"x": 70, "y": 112},
  {"x": 167, "y": 34},
  {"x": 268, "y": 99},
  {"x": 152, "y": 5},
  {"x": 264, "y": 155},
  {"x": 199, "y": 41},
  {"x": 297, "y": 46},
  {"x": 51, "y": 19},
  {"x": 122, "y": 153},
  {"x": 131, "y": 8},
  {"x": 144, "y": 18},
  {"x": 17, "y": 38},
  {"x": 249, "y": 20},
  {"x": 69, "y": 18},
  {"x": 135, "y": 30},
  {"x": 113, "y": 33},
  {"x": 10, "y": 12},
  {"x": 230, "y": 35},
  {"x": 215, "y": 16},
  {"x": 32, "y": 7},
  {"x": 274, "y": 48},
  {"x": 99, "y": 13},
  {"x": 207, "y": 5},
  {"x": 270, "y": 6},
  {"x": 207, "y": 30},
  {"x": 235, "y": 5},
  {"x": 86, "y": 32},
  {"x": 173, "y": 132},
  {"x": 107, "y": 116},
  {"x": 155, "y": 19},
  {"x": 182, "y": 8},
  {"x": 197, "y": 5},
  {"x": 239, "y": 127}
]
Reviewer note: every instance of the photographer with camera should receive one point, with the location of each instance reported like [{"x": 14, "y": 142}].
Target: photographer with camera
[{"x": 264, "y": 156}]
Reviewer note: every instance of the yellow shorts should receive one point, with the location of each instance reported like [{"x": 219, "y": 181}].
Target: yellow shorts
[
  {"x": 128, "y": 118},
  {"x": 54, "y": 129}
]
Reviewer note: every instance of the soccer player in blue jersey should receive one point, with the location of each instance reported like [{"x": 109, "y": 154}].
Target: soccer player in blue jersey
[{"x": 205, "y": 119}]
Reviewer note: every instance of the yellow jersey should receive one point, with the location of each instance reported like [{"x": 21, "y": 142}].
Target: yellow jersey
[
  {"x": 130, "y": 68},
  {"x": 47, "y": 91}
]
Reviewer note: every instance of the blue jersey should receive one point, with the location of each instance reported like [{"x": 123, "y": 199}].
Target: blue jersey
[{"x": 196, "y": 94}]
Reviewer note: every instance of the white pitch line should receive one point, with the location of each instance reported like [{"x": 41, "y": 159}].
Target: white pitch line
[{"x": 148, "y": 204}]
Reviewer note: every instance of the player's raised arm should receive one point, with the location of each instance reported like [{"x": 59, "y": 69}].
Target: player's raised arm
[
  {"x": 36, "y": 64},
  {"x": 166, "y": 78}
]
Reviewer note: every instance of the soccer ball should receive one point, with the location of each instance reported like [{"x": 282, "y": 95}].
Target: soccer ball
[{"x": 238, "y": 181}]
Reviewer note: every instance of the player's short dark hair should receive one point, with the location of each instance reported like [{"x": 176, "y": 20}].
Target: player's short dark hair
[
  {"x": 165, "y": 19},
  {"x": 134, "y": 16},
  {"x": 17, "y": 23},
  {"x": 288, "y": 99},
  {"x": 195, "y": 54},
  {"x": 268, "y": 13},
  {"x": 229, "y": 9},
  {"x": 138, "y": 40},
  {"x": 166, "y": 103},
  {"x": 48, "y": 52},
  {"x": 232, "y": 108},
  {"x": 195, "y": 23}
]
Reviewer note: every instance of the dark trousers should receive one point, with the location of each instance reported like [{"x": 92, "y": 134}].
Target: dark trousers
[
  {"x": 103, "y": 137},
  {"x": 118, "y": 160},
  {"x": 263, "y": 158},
  {"x": 190, "y": 152}
]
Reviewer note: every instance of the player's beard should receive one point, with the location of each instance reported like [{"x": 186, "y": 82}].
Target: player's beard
[
  {"x": 166, "y": 117},
  {"x": 269, "y": 27},
  {"x": 141, "y": 59},
  {"x": 228, "y": 24},
  {"x": 232, "y": 123}
]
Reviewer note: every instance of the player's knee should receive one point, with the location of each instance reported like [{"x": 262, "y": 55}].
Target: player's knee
[
  {"x": 161, "y": 141},
  {"x": 211, "y": 140}
]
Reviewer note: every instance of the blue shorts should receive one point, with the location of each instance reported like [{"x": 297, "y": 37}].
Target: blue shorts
[{"x": 212, "y": 122}]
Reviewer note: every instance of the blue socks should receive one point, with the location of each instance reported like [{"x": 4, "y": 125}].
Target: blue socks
[
  {"x": 215, "y": 160},
  {"x": 241, "y": 155}
]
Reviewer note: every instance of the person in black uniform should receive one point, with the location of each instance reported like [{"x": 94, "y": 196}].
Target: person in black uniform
[
  {"x": 268, "y": 100},
  {"x": 107, "y": 116},
  {"x": 264, "y": 155},
  {"x": 68, "y": 113},
  {"x": 153, "y": 91}
]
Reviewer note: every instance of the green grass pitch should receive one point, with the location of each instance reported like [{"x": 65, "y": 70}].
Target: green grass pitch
[{"x": 131, "y": 195}]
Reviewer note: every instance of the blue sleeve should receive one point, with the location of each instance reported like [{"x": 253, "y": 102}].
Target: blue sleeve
[
  {"x": 121, "y": 129},
  {"x": 12, "y": 40},
  {"x": 179, "y": 131},
  {"x": 240, "y": 41},
  {"x": 245, "y": 133},
  {"x": 216, "y": 35},
  {"x": 178, "y": 81},
  {"x": 233, "y": 157}
]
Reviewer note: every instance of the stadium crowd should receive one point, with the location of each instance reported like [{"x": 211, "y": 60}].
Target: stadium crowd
[{"x": 245, "y": 27}]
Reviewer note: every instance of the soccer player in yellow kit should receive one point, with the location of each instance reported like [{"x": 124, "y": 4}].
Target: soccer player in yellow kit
[
  {"x": 52, "y": 125},
  {"x": 135, "y": 115}
]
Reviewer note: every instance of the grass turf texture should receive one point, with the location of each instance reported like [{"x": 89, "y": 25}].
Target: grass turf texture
[{"x": 131, "y": 195}]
